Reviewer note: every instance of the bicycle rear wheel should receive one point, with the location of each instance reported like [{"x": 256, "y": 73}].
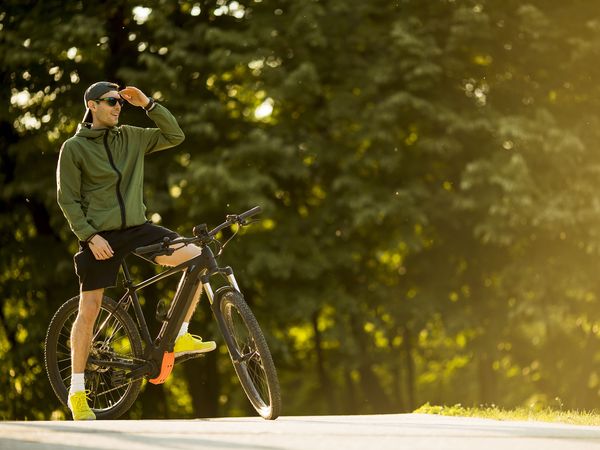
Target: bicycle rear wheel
[
  {"x": 254, "y": 367},
  {"x": 115, "y": 338}
]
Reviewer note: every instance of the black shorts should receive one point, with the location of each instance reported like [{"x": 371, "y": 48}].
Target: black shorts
[{"x": 96, "y": 274}]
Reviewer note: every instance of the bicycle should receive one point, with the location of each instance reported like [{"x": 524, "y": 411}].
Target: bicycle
[{"x": 123, "y": 353}]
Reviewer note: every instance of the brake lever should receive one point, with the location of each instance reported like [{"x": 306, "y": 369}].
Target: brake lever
[{"x": 165, "y": 245}]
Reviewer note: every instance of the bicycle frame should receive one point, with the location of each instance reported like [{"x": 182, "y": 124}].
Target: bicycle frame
[
  {"x": 158, "y": 358},
  {"x": 197, "y": 270}
]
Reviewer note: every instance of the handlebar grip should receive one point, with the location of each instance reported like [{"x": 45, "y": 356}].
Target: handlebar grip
[
  {"x": 148, "y": 249},
  {"x": 251, "y": 212}
]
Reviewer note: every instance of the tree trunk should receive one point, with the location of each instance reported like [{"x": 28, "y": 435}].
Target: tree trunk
[
  {"x": 486, "y": 379},
  {"x": 410, "y": 370},
  {"x": 371, "y": 387},
  {"x": 350, "y": 406},
  {"x": 203, "y": 385},
  {"x": 154, "y": 402},
  {"x": 324, "y": 381}
]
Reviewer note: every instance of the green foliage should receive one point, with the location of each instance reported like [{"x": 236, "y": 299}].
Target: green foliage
[
  {"x": 428, "y": 172},
  {"x": 531, "y": 413}
]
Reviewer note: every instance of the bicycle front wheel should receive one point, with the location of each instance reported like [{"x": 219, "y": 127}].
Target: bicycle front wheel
[
  {"x": 250, "y": 354},
  {"x": 115, "y": 339}
]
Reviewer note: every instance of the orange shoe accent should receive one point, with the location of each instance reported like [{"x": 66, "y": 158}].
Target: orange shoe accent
[{"x": 166, "y": 368}]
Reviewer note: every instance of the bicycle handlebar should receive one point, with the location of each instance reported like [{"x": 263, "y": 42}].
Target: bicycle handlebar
[
  {"x": 251, "y": 212},
  {"x": 149, "y": 249},
  {"x": 229, "y": 220}
]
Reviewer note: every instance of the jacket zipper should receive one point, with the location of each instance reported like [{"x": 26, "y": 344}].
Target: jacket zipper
[{"x": 119, "y": 178}]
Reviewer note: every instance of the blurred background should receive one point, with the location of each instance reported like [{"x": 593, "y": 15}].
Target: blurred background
[{"x": 429, "y": 171}]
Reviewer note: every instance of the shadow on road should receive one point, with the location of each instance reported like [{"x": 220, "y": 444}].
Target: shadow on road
[{"x": 157, "y": 438}]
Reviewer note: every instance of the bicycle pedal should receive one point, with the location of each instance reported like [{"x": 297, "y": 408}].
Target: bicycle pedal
[
  {"x": 167, "y": 363},
  {"x": 184, "y": 358}
]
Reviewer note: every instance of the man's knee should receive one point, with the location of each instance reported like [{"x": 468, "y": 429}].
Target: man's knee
[
  {"x": 180, "y": 256},
  {"x": 89, "y": 304}
]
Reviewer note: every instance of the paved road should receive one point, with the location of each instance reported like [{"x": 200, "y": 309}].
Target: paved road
[{"x": 376, "y": 432}]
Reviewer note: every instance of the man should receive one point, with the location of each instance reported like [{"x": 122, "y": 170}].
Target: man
[{"x": 99, "y": 189}]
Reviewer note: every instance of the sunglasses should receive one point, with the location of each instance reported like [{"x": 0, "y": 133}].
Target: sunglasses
[{"x": 112, "y": 101}]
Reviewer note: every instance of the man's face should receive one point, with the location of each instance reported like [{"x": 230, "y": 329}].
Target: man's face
[{"x": 104, "y": 114}]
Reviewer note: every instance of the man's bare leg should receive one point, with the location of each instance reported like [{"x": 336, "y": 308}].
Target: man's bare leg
[
  {"x": 81, "y": 339},
  {"x": 180, "y": 256},
  {"x": 83, "y": 327}
]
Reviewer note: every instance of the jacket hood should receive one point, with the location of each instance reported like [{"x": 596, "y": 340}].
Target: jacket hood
[{"x": 85, "y": 131}]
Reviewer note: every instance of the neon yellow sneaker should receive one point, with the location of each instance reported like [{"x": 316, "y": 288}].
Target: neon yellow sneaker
[
  {"x": 79, "y": 406},
  {"x": 188, "y": 343}
]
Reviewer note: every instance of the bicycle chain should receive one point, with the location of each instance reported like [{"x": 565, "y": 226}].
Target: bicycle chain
[
  {"x": 133, "y": 358},
  {"x": 119, "y": 356}
]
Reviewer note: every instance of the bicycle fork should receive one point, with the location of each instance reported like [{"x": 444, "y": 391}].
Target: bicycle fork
[
  {"x": 206, "y": 287},
  {"x": 215, "y": 306}
]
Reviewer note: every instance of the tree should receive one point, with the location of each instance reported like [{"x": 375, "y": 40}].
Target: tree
[{"x": 427, "y": 171}]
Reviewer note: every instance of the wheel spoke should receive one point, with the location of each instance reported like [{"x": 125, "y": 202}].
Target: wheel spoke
[
  {"x": 114, "y": 340},
  {"x": 259, "y": 377},
  {"x": 259, "y": 382},
  {"x": 115, "y": 329}
]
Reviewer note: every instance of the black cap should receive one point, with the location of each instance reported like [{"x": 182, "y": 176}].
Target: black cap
[{"x": 94, "y": 92}]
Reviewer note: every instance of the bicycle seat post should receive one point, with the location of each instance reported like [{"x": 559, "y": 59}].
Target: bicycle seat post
[{"x": 127, "y": 277}]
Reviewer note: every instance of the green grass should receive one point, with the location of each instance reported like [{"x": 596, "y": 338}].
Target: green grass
[{"x": 545, "y": 414}]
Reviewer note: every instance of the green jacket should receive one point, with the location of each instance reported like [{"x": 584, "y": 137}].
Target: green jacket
[{"x": 100, "y": 173}]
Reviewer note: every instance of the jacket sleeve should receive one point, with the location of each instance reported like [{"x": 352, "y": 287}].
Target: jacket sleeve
[
  {"x": 68, "y": 194},
  {"x": 168, "y": 134}
]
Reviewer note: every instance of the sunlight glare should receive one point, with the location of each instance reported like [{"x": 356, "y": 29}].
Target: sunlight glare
[
  {"x": 141, "y": 14},
  {"x": 264, "y": 110}
]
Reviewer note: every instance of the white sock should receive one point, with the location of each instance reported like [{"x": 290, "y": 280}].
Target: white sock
[
  {"x": 77, "y": 383},
  {"x": 184, "y": 329}
]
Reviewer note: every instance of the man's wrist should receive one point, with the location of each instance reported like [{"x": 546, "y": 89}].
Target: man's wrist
[{"x": 151, "y": 104}]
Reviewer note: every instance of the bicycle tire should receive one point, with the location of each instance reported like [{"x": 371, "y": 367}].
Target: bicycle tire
[
  {"x": 257, "y": 374},
  {"x": 110, "y": 342}
]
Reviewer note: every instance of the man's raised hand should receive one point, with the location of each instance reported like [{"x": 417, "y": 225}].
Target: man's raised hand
[{"x": 134, "y": 96}]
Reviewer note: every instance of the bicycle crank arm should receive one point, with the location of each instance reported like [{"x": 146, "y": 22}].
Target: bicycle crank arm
[
  {"x": 142, "y": 372},
  {"x": 112, "y": 364}
]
